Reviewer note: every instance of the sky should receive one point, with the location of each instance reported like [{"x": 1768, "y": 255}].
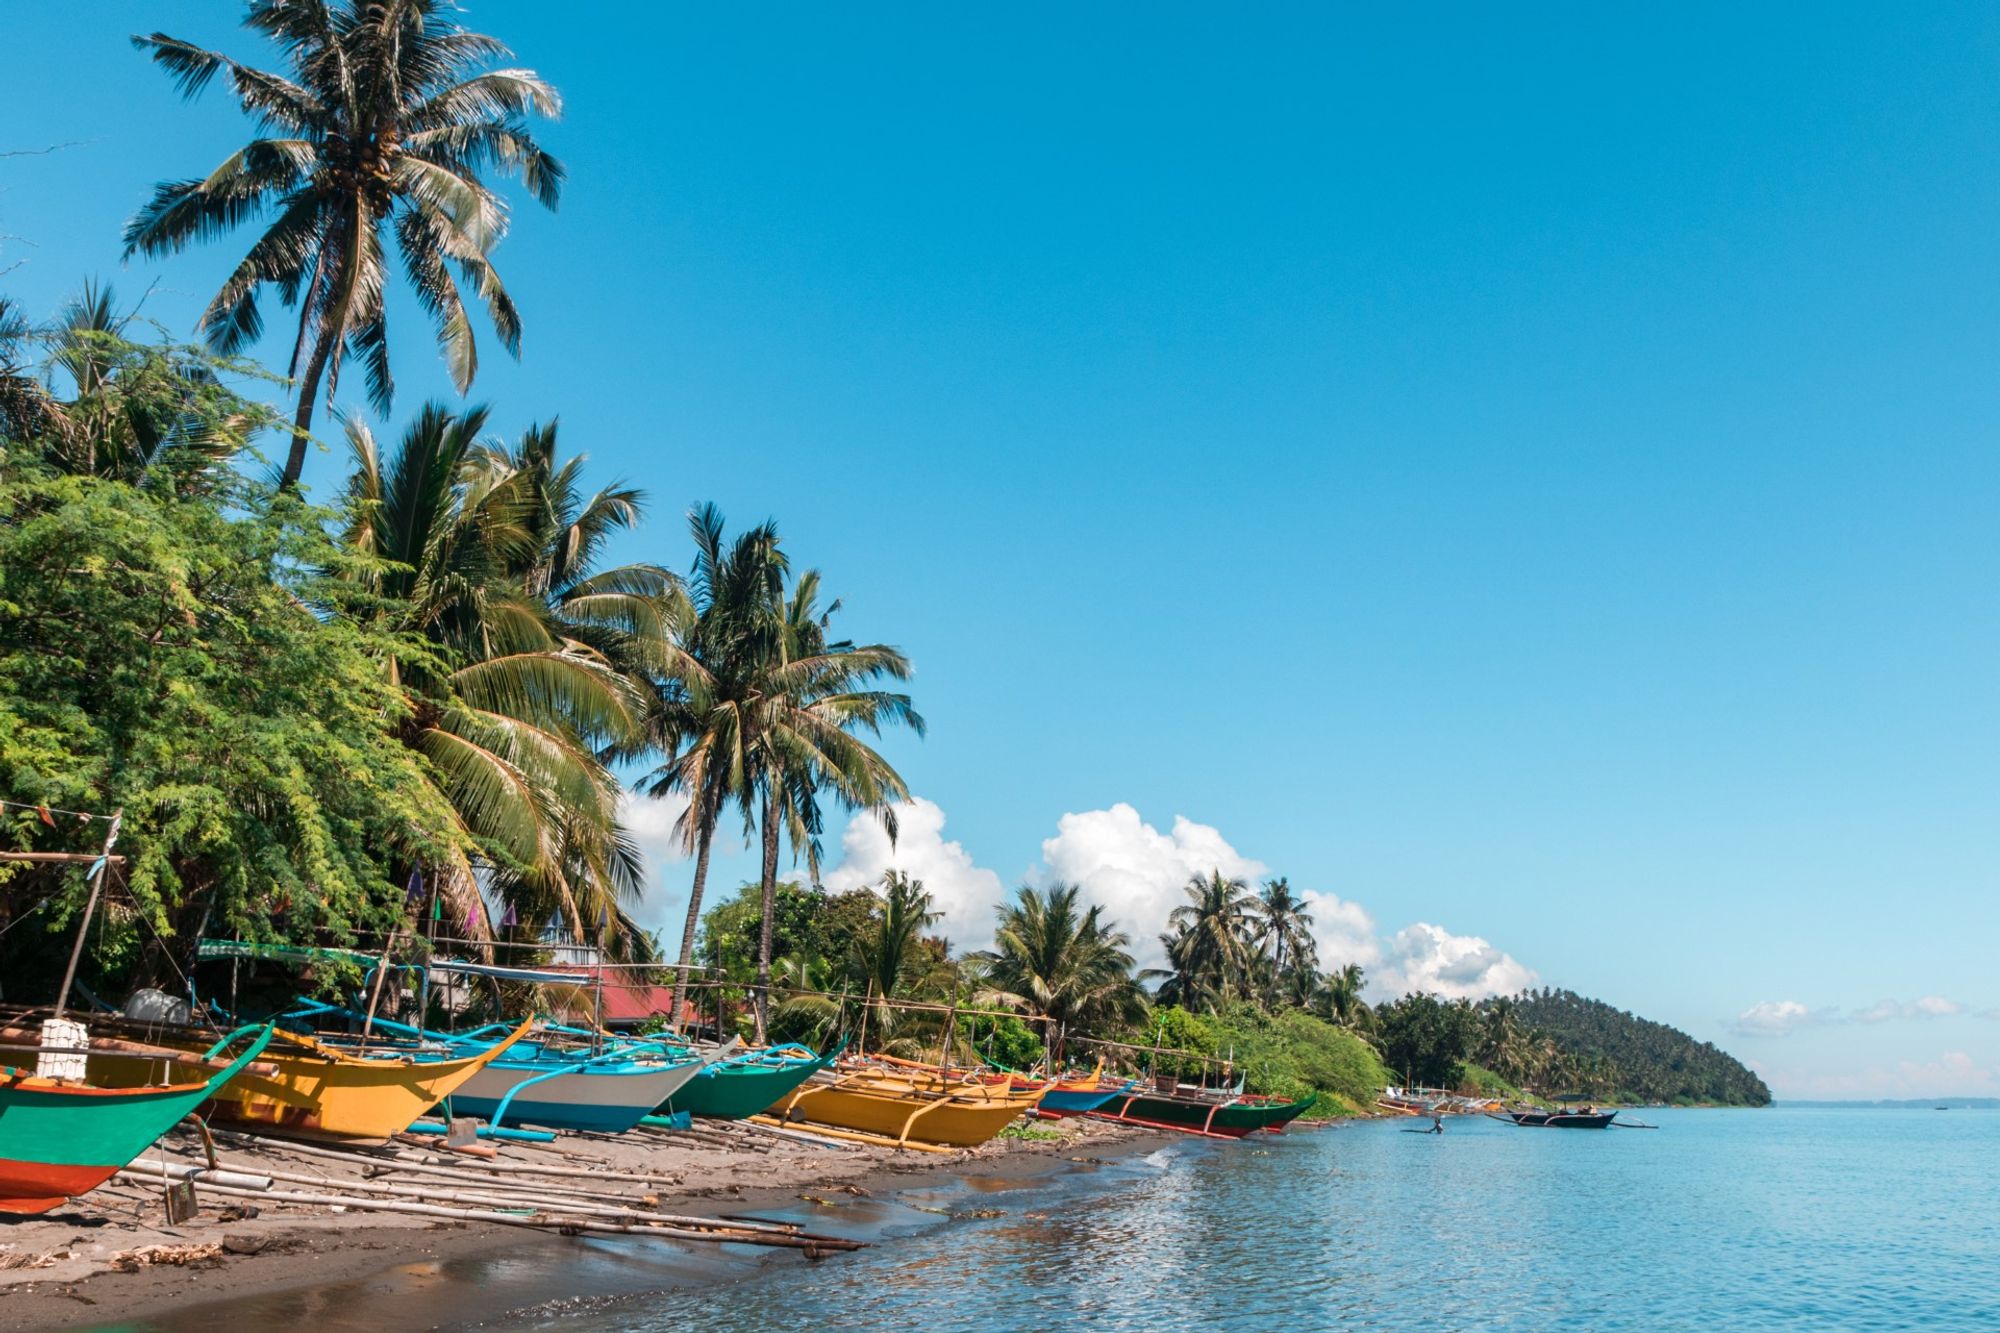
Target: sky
[{"x": 1529, "y": 479}]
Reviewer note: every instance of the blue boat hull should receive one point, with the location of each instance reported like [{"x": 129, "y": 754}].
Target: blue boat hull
[{"x": 1057, "y": 1103}]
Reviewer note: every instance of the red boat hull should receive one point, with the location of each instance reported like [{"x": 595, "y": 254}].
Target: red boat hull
[{"x": 36, "y": 1187}]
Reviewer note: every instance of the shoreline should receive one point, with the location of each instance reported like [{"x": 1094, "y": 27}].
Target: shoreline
[{"x": 88, "y": 1263}]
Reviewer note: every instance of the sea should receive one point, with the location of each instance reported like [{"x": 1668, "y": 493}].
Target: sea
[{"x": 1746, "y": 1220}]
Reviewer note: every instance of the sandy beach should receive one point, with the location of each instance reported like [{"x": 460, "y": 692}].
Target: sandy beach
[{"x": 112, "y": 1257}]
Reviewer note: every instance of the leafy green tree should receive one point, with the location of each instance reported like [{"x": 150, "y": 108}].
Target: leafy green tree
[
  {"x": 1425, "y": 1040},
  {"x": 380, "y": 129},
  {"x": 1057, "y": 959},
  {"x": 181, "y": 654}
]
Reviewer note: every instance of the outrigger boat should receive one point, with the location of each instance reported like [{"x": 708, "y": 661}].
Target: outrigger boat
[
  {"x": 904, "y": 1108},
  {"x": 1588, "y": 1117},
  {"x": 318, "y": 1090},
  {"x": 736, "y": 1087},
  {"x": 60, "y": 1138},
  {"x": 539, "y": 1081},
  {"x": 1228, "y": 1113}
]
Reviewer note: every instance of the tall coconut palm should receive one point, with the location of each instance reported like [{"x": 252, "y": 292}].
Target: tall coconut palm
[
  {"x": 704, "y": 719},
  {"x": 380, "y": 129},
  {"x": 1209, "y": 942},
  {"x": 1054, "y": 958},
  {"x": 887, "y": 956},
  {"x": 1284, "y": 930},
  {"x": 1340, "y": 997},
  {"x": 813, "y": 697},
  {"x": 511, "y": 706}
]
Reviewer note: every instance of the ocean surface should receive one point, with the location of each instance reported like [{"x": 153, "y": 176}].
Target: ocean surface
[{"x": 1807, "y": 1219}]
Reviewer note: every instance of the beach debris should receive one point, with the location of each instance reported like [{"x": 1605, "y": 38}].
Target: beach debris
[
  {"x": 48, "y": 1260},
  {"x": 179, "y": 1256}
]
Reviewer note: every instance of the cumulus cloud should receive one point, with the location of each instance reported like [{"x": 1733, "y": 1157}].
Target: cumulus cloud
[
  {"x": 1780, "y": 1018},
  {"x": 1342, "y": 930},
  {"x": 963, "y": 892},
  {"x": 1429, "y": 958},
  {"x": 1775, "y": 1018},
  {"x": 1135, "y": 871},
  {"x": 649, "y": 821}
]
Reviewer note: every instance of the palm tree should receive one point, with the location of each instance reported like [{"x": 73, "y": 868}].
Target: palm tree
[
  {"x": 703, "y": 719},
  {"x": 1053, "y": 958},
  {"x": 1340, "y": 998},
  {"x": 1208, "y": 943},
  {"x": 1284, "y": 930},
  {"x": 812, "y": 697},
  {"x": 511, "y": 705},
  {"x": 382, "y": 125},
  {"x": 888, "y": 955}
]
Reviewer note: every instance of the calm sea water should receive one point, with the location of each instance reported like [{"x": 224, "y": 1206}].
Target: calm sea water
[{"x": 1739, "y": 1220}]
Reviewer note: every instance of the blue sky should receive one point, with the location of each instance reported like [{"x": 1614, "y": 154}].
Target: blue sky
[{"x": 1528, "y": 476}]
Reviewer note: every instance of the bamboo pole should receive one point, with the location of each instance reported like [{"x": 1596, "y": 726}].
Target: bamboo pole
[
  {"x": 89, "y": 908},
  {"x": 569, "y": 1225},
  {"x": 61, "y": 858}
]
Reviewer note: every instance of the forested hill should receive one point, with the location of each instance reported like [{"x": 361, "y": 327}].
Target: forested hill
[{"x": 1648, "y": 1061}]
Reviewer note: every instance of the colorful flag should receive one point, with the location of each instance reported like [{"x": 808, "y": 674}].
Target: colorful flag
[
  {"x": 437, "y": 909},
  {"x": 507, "y": 918},
  {"x": 415, "y": 889},
  {"x": 47, "y": 818}
]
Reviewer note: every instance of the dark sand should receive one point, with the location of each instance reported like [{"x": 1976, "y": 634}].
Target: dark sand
[{"x": 69, "y": 1269}]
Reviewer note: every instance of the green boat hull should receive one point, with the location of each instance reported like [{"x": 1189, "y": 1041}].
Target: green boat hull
[
  {"x": 733, "y": 1092},
  {"x": 59, "y": 1140},
  {"x": 1224, "y": 1120}
]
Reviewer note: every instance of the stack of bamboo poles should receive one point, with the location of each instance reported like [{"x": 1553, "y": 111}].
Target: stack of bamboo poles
[{"x": 571, "y": 1200}]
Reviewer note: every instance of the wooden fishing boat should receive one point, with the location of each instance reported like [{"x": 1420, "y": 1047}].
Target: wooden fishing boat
[
  {"x": 1068, "y": 1097},
  {"x": 1588, "y": 1117},
  {"x": 1231, "y": 1116},
  {"x": 906, "y": 1106},
  {"x": 603, "y": 1094},
  {"x": 318, "y": 1090},
  {"x": 743, "y": 1085},
  {"x": 543, "y": 1080},
  {"x": 60, "y": 1138}
]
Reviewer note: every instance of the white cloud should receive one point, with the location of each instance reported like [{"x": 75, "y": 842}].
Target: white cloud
[
  {"x": 964, "y": 893},
  {"x": 1930, "y": 1006},
  {"x": 1343, "y": 931},
  {"x": 649, "y": 821},
  {"x": 1136, "y": 871},
  {"x": 1780, "y": 1018},
  {"x": 1775, "y": 1018},
  {"x": 1429, "y": 958}
]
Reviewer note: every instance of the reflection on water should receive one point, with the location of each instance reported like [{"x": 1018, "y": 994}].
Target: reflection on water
[{"x": 1764, "y": 1220}]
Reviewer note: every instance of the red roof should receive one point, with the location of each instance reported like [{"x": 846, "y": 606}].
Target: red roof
[{"x": 626, "y": 1002}]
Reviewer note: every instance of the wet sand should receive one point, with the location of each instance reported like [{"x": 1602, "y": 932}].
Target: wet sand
[{"x": 110, "y": 1257}]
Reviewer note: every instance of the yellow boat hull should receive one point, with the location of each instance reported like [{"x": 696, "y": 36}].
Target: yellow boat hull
[
  {"x": 319, "y": 1092},
  {"x": 908, "y": 1109}
]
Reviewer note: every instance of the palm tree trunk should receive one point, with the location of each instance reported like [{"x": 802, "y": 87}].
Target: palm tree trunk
[
  {"x": 702, "y": 840},
  {"x": 770, "y": 895},
  {"x": 295, "y": 461}
]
